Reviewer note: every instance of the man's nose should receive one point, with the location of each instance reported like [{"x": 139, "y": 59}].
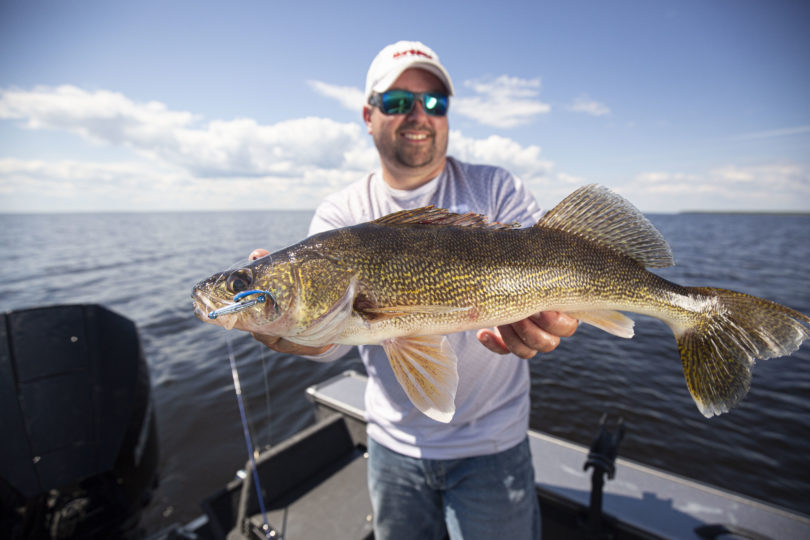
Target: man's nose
[{"x": 417, "y": 112}]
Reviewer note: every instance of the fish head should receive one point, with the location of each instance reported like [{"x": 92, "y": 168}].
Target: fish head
[{"x": 265, "y": 311}]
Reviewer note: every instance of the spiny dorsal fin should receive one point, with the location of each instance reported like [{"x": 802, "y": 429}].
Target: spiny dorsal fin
[
  {"x": 430, "y": 215},
  {"x": 597, "y": 214}
]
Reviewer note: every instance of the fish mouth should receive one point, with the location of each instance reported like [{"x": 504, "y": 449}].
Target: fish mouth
[{"x": 204, "y": 305}]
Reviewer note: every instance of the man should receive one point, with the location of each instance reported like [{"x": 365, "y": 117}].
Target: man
[{"x": 473, "y": 477}]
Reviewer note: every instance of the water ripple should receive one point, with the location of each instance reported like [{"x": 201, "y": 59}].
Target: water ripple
[{"x": 144, "y": 265}]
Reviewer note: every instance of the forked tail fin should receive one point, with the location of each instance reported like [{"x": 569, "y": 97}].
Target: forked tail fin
[{"x": 719, "y": 350}]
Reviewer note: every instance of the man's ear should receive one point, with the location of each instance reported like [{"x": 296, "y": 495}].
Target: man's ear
[{"x": 367, "y": 116}]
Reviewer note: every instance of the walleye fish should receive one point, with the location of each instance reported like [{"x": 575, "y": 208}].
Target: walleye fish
[{"x": 406, "y": 280}]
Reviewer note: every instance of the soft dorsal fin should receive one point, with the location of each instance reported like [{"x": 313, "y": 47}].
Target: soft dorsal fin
[
  {"x": 430, "y": 215},
  {"x": 597, "y": 214}
]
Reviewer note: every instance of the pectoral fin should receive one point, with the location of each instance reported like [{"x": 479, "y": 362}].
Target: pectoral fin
[
  {"x": 425, "y": 366},
  {"x": 612, "y": 322}
]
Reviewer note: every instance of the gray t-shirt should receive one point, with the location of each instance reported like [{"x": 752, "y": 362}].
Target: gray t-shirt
[{"x": 492, "y": 401}]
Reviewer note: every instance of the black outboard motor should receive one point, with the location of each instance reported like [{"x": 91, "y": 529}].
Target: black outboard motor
[{"x": 78, "y": 441}]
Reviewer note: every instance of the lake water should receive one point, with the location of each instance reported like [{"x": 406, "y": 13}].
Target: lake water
[{"x": 144, "y": 265}]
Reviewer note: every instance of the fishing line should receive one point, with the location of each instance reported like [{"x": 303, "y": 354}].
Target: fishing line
[
  {"x": 248, "y": 442},
  {"x": 265, "y": 376}
]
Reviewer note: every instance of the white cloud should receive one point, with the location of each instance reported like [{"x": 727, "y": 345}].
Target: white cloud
[
  {"x": 239, "y": 147},
  {"x": 524, "y": 161},
  {"x": 585, "y": 104},
  {"x": 659, "y": 180},
  {"x": 571, "y": 180},
  {"x": 732, "y": 179},
  {"x": 181, "y": 161},
  {"x": 503, "y": 102},
  {"x": 348, "y": 96},
  {"x": 36, "y": 185},
  {"x": 778, "y": 178},
  {"x": 101, "y": 116},
  {"x": 777, "y": 186},
  {"x": 731, "y": 174},
  {"x": 769, "y": 134}
]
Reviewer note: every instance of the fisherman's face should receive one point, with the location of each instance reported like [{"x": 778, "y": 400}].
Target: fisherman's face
[{"x": 412, "y": 146}]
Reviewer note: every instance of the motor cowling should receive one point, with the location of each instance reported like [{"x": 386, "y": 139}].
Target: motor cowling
[{"x": 79, "y": 455}]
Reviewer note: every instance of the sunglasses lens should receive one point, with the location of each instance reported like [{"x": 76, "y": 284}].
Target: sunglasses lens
[
  {"x": 397, "y": 102},
  {"x": 401, "y": 102},
  {"x": 435, "y": 104}
]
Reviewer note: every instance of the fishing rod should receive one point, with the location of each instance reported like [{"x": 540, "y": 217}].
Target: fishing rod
[{"x": 266, "y": 529}]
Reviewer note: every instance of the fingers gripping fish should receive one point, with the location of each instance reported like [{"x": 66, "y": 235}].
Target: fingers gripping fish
[{"x": 408, "y": 279}]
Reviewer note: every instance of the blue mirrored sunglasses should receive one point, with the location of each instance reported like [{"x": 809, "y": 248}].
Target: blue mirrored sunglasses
[{"x": 402, "y": 102}]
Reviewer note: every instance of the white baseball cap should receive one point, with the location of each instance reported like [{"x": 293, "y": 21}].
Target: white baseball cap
[{"x": 394, "y": 59}]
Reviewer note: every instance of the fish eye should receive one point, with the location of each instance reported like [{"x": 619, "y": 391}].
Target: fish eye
[{"x": 239, "y": 281}]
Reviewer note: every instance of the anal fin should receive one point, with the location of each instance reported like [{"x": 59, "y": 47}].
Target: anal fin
[
  {"x": 612, "y": 322},
  {"x": 426, "y": 368}
]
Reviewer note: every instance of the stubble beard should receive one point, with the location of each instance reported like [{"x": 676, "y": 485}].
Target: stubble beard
[{"x": 411, "y": 157}]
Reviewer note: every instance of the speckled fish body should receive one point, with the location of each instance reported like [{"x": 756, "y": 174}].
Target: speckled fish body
[{"x": 406, "y": 280}]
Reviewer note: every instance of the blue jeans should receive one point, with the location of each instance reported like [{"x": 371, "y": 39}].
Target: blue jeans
[{"x": 485, "y": 497}]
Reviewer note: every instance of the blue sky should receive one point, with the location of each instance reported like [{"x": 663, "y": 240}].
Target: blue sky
[{"x": 191, "y": 105}]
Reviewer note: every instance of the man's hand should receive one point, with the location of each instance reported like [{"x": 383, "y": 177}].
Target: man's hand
[
  {"x": 538, "y": 333},
  {"x": 257, "y": 254}
]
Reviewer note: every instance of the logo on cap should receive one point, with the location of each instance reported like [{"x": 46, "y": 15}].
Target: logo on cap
[{"x": 415, "y": 52}]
